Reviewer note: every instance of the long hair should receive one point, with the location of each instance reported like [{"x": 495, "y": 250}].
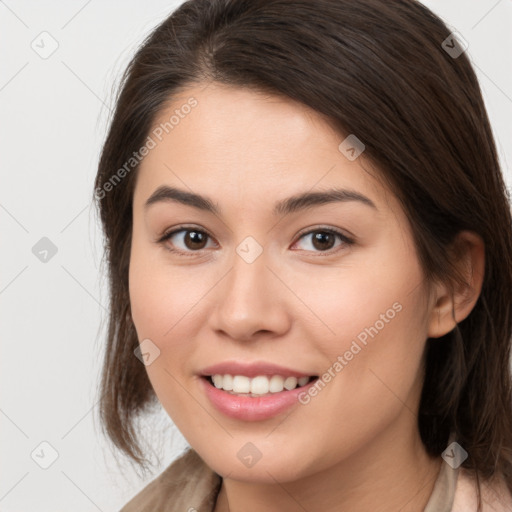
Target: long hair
[{"x": 378, "y": 69}]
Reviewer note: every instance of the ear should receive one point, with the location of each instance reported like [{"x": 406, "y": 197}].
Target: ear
[{"x": 450, "y": 308}]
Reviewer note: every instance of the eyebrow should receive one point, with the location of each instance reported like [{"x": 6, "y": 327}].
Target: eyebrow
[{"x": 286, "y": 206}]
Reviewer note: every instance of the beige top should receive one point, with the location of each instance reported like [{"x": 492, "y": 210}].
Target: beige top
[{"x": 189, "y": 485}]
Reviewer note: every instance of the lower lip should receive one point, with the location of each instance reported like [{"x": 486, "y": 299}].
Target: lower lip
[{"x": 253, "y": 409}]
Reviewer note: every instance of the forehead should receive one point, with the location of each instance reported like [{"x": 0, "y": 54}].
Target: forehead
[{"x": 236, "y": 142}]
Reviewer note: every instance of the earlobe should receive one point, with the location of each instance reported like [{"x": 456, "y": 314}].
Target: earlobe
[{"x": 453, "y": 306}]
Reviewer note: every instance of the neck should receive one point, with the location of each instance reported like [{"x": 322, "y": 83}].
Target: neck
[{"x": 391, "y": 473}]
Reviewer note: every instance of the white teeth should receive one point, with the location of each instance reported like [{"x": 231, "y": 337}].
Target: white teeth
[
  {"x": 217, "y": 381},
  {"x": 276, "y": 384},
  {"x": 227, "y": 382},
  {"x": 241, "y": 384},
  {"x": 303, "y": 380},
  {"x": 257, "y": 386},
  {"x": 290, "y": 383}
]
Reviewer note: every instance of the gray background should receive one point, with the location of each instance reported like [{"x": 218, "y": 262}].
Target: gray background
[{"x": 53, "y": 115}]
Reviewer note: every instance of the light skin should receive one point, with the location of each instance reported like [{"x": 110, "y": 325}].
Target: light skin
[{"x": 299, "y": 305}]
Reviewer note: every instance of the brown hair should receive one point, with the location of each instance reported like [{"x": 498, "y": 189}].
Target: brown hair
[{"x": 376, "y": 69}]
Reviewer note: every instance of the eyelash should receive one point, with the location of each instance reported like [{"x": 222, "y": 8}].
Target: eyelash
[{"x": 166, "y": 236}]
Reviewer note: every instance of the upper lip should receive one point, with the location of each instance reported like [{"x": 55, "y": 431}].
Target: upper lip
[{"x": 251, "y": 369}]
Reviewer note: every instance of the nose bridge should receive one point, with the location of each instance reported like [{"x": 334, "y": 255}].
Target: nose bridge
[
  {"x": 249, "y": 301},
  {"x": 248, "y": 280},
  {"x": 249, "y": 265}
]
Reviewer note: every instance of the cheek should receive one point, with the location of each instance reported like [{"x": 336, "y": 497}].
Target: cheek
[
  {"x": 161, "y": 314},
  {"x": 373, "y": 319},
  {"x": 166, "y": 305},
  {"x": 157, "y": 305},
  {"x": 374, "y": 295},
  {"x": 373, "y": 371},
  {"x": 160, "y": 295}
]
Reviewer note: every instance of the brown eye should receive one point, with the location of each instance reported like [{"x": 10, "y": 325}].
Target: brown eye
[
  {"x": 324, "y": 240},
  {"x": 185, "y": 240},
  {"x": 195, "y": 239}
]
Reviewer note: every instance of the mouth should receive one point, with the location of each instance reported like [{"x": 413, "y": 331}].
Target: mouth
[
  {"x": 255, "y": 390},
  {"x": 259, "y": 386},
  {"x": 259, "y": 398}
]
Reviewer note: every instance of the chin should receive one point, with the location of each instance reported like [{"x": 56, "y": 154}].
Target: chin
[{"x": 241, "y": 463}]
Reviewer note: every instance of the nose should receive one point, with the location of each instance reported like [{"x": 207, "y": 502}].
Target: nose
[{"x": 251, "y": 301}]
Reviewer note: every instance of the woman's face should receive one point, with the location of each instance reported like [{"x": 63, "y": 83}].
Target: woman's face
[{"x": 252, "y": 284}]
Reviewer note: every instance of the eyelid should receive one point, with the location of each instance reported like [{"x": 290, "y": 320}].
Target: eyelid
[
  {"x": 347, "y": 236},
  {"x": 176, "y": 229}
]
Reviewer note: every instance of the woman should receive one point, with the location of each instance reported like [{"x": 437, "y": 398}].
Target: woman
[{"x": 310, "y": 260}]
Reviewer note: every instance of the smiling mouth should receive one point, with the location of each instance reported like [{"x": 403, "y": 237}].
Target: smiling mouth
[{"x": 260, "y": 386}]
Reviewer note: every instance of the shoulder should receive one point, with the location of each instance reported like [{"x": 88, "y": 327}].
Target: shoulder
[
  {"x": 495, "y": 494},
  {"x": 186, "y": 484}
]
